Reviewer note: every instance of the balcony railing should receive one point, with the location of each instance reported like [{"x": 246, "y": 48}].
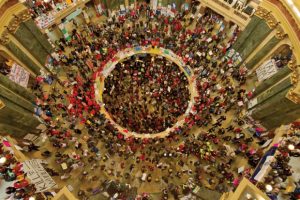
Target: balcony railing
[{"x": 228, "y": 11}]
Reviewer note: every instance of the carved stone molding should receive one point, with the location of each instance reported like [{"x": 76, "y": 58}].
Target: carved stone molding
[
  {"x": 265, "y": 14},
  {"x": 271, "y": 20},
  {"x": 4, "y": 39},
  {"x": 280, "y": 34},
  {"x": 19, "y": 18},
  {"x": 261, "y": 12},
  {"x": 292, "y": 64},
  {"x": 293, "y": 96},
  {"x": 2, "y": 105}
]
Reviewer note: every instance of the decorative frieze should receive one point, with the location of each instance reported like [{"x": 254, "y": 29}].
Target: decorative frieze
[
  {"x": 280, "y": 34},
  {"x": 265, "y": 14},
  {"x": 19, "y": 18},
  {"x": 2, "y": 105},
  {"x": 4, "y": 39},
  {"x": 293, "y": 96}
]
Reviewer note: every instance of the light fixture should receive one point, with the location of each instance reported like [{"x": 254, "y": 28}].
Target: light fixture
[
  {"x": 269, "y": 188},
  {"x": 2, "y": 160},
  {"x": 291, "y": 147},
  {"x": 31, "y": 198}
]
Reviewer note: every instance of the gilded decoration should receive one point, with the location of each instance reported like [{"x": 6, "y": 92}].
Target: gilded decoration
[{"x": 265, "y": 14}]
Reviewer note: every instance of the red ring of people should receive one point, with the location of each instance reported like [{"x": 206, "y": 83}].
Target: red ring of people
[{"x": 105, "y": 71}]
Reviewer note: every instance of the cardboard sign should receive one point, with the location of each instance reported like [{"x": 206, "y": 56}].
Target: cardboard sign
[
  {"x": 19, "y": 75},
  {"x": 38, "y": 175}
]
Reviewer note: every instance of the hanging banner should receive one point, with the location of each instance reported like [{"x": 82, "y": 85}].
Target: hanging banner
[
  {"x": 38, "y": 175},
  {"x": 267, "y": 70},
  {"x": 19, "y": 75},
  {"x": 64, "y": 31},
  {"x": 264, "y": 164}
]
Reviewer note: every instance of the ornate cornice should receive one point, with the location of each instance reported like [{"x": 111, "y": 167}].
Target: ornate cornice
[
  {"x": 2, "y": 105},
  {"x": 19, "y": 18},
  {"x": 265, "y": 14},
  {"x": 293, "y": 95},
  {"x": 289, "y": 25},
  {"x": 287, "y": 15},
  {"x": 4, "y": 39},
  {"x": 280, "y": 33}
]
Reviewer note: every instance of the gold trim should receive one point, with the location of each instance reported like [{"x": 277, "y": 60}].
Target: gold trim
[
  {"x": 294, "y": 93},
  {"x": 280, "y": 33},
  {"x": 2, "y": 105},
  {"x": 265, "y": 14},
  {"x": 10, "y": 20},
  {"x": 4, "y": 39}
]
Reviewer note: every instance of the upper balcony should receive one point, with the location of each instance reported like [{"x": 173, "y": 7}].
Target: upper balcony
[
  {"x": 237, "y": 11},
  {"x": 53, "y": 14}
]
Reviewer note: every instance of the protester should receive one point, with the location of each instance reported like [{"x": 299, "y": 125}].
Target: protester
[{"x": 148, "y": 94}]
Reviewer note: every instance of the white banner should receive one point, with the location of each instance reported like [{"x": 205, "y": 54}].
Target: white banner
[
  {"x": 267, "y": 70},
  {"x": 38, "y": 175},
  {"x": 264, "y": 168},
  {"x": 19, "y": 75}
]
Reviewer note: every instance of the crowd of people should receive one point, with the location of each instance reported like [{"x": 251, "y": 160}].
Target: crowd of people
[
  {"x": 12, "y": 176},
  {"x": 280, "y": 175},
  {"x": 202, "y": 151},
  {"x": 146, "y": 93}
]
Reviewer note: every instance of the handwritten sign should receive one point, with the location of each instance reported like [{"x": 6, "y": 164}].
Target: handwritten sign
[
  {"x": 38, "y": 175},
  {"x": 19, "y": 75},
  {"x": 267, "y": 70}
]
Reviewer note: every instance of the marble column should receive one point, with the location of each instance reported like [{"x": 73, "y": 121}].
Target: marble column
[
  {"x": 276, "y": 111},
  {"x": 22, "y": 57},
  {"x": 272, "y": 80},
  {"x": 257, "y": 35},
  {"x": 261, "y": 54},
  {"x": 254, "y": 22},
  {"x": 274, "y": 90},
  {"x": 15, "y": 120},
  {"x": 31, "y": 26},
  {"x": 31, "y": 43},
  {"x": 18, "y": 90}
]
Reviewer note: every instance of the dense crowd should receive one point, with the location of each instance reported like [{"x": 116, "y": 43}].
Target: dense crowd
[
  {"x": 146, "y": 93},
  {"x": 185, "y": 157},
  {"x": 12, "y": 175}
]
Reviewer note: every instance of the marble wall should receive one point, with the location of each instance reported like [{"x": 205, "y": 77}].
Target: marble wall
[
  {"x": 272, "y": 91},
  {"x": 276, "y": 111},
  {"x": 23, "y": 57},
  {"x": 15, "y": 120},
  {"x": 271, "y": 81},
  {"x": 255, "y": 38},
  {"x": 31, "y": 26},
  {"x": 11, "y": 86},
  {"x": 254, "y": 22},
  {"x": 29, "y": 41},
  {"x": 263, "y": 52}
]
